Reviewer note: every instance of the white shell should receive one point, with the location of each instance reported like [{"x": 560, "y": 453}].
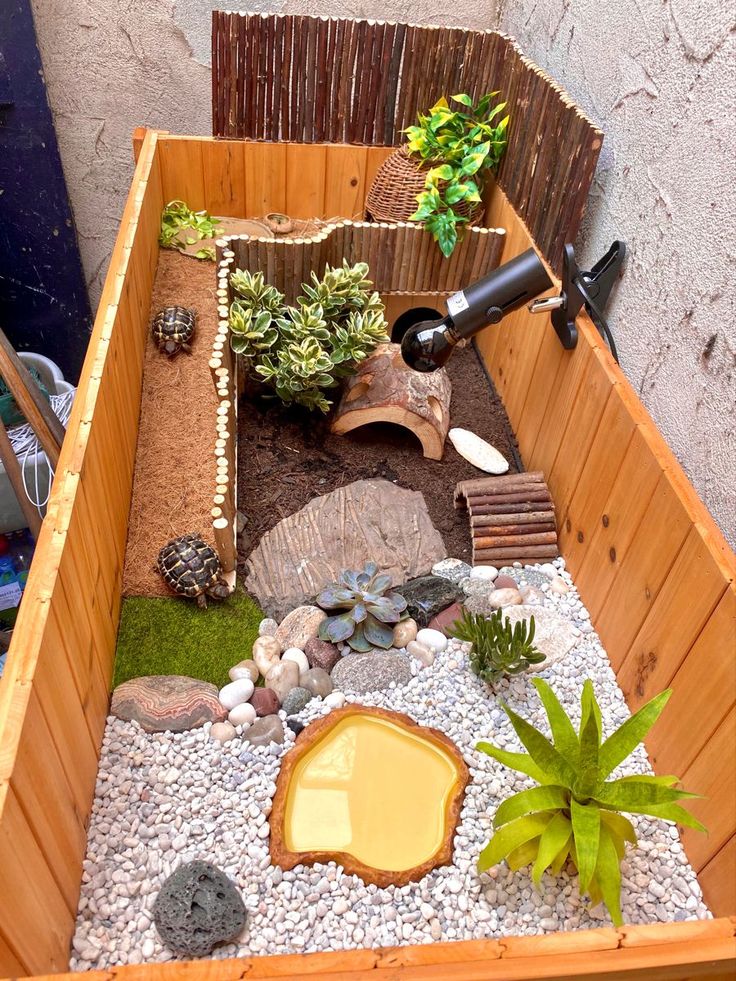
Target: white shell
[{"x": 478, "y": 452}]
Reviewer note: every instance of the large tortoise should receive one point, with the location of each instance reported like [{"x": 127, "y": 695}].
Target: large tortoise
[
  {"x": 172, "y": 329},
  {"x": 192, "y": 568}
]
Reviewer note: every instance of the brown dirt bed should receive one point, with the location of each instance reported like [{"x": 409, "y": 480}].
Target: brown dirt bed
[{"x": 287, "y": 456}]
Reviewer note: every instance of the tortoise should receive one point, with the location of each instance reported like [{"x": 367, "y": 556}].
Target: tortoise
[
  {"x": 172, "y": 329},
  {"x": 191, "y": 567}
]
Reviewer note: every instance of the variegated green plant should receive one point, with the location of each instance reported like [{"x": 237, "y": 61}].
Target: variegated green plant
[
  {"x": 300, "y": 351},
  {"x": 574, "y": 812},
  {"x": 368, "y": 608}
]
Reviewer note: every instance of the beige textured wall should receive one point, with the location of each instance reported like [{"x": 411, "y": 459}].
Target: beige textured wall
[{"x": 659, "y": 76}]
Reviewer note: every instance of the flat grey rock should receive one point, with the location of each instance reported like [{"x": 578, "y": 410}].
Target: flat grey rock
[
  {"x": 373, "y": 671},
  {"x": 368, "y": 520},
  {"x": 198, "y": 908}
]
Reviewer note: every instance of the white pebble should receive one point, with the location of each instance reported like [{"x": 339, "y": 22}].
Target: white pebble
[
  {"x": 236, "y": 693},
  {"x": 336, "y": 699},
  {"x": 488, "y": 572},
  {"x": 435, "y": 640},
  {"x": 298, "y": 657},
  {"x": 242, "y": 715}
]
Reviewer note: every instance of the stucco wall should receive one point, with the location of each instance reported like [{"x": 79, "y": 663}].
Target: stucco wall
[
  {"x": 654, "y": 74},
  {"x": 659, "y": 77}
]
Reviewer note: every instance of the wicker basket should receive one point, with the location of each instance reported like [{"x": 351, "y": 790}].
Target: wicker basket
[{"x": 393, "y": 193}]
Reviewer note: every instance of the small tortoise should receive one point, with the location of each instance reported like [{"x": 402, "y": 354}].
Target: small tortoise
[
  {"x": 191, "y": 567},
  {"x": 173, "y": 329}
]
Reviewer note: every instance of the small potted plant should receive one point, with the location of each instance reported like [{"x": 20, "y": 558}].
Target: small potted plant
[{"x": 442, "y": 168}]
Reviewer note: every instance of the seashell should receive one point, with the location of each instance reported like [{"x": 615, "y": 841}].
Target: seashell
[{"x": 478, "y": 452}]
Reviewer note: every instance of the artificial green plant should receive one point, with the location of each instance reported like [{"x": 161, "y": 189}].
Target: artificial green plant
[
  {"x": 498, "y": 647},
  {"x": 368, "y": 608},
  {"x": 180, "y": 227},
  {"x": 462, "y": 147},
  {"x": 573, "y": 813},
  {"x": 302, "y": 351}
]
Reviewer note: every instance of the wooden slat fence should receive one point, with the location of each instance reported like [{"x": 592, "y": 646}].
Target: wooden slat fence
[
  {"x": 401, "y": 257},
  {"x": 372, "y": 78}
]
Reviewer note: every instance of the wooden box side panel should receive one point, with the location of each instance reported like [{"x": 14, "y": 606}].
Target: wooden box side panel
[
  {"x": 54, "y": 691},
  {"x": 651, "y": 565}
]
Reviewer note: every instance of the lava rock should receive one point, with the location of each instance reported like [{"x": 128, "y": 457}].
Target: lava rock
[
  {"x": 265, "y": 701},
  {"x": 295, "y": 725},
  {"x": 198, "y": 908},
  {"x": 167, "y": 702},
  {"x": 427, "y": 596},
  {"x": 374, "y": 671},
  {"x": 296, "y": 700},
  {"x": 321, "y": 654}
]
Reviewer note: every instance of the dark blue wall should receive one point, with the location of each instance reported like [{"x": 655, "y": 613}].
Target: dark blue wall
[{"x": 43, "y": 298}]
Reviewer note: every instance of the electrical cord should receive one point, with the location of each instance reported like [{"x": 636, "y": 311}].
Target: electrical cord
[{"x": 26, "y": 447}]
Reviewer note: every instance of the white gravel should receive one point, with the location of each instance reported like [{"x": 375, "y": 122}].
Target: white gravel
[{"x": 167, "y": 798}]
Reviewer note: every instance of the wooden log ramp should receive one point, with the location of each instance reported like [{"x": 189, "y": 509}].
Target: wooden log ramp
[
  {"x": 385, "y": 389},
  {"x": 512, "y": 518}
]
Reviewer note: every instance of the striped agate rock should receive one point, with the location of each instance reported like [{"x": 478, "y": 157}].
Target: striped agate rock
[{"x": 162, "y": 702}]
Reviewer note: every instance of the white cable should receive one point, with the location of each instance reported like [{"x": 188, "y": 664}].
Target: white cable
[{"x": 25, "y": 445}]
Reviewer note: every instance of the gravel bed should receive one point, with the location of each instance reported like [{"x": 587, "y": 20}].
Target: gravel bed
[{"x": 165, "y": 798}]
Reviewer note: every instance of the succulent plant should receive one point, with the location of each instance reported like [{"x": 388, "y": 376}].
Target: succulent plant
[
  {"x": 498, "y": 647},
  {"x": 368, "y": 606},
  {"x": 301, "y": 351},
  {"x": 573, "y": 812}
]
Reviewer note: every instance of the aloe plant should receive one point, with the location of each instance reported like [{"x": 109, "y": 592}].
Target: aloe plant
[
  {"x": 498, "y": 647},
  {"x": 367, "y": 607},
  {"x": 574, "y": 812}
]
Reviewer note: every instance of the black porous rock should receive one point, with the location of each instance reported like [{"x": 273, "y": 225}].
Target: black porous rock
[
  {"x": 295, "y": 725},
  {"x": 197, "y": 908},
  {"x": 427, "y": 596}
]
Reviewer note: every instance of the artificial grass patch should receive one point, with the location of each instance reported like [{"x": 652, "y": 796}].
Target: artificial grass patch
[{"x": 173, "y": 636}]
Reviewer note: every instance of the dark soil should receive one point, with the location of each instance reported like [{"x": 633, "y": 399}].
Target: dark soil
[{"x": 287, "y": 456}]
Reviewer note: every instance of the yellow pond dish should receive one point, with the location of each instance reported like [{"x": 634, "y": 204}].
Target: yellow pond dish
[{"x": 374, "y": 787}]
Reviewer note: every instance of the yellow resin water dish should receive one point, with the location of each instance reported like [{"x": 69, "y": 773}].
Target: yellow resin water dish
[{"x": 372, "y": 785}]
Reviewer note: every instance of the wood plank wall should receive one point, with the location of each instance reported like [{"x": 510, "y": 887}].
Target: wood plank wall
[
  {"x": 651, "y": 565},
  {"x": 54, "y": 691},
  {"x": 372, "y": 80}
]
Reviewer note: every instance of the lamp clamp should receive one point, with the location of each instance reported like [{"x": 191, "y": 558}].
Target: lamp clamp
[{"x": 583, "y": 288}]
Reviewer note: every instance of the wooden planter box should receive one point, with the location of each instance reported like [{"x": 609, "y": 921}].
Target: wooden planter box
[{"x": 650, "y": 564}]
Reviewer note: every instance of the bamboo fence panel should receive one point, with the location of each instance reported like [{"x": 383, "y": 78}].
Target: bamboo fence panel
[
  {"x": 651, "y": 566},
  {"x": 383, "y": 246},
  {"x": 317, "y": 80},
  {"x": 54, "y": 691}
]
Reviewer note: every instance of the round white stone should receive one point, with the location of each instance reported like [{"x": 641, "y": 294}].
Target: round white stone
[
  {"x": 242, "y": 715},
  {"x": 236, "y": 693},
  {"x": 298, "y": 657},
  {"x": 483, "y": 572},
  {"x": 335, "y": 699},
  {"x": 435, "y": 640}
]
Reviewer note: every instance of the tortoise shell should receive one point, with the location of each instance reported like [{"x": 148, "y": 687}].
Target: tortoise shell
[
  {"x": 173, "y": 328},
  {"x": 189, "y": 565}
]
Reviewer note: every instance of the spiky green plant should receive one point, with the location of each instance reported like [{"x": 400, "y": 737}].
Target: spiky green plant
[
  {"x": 180, "y": 227},
  {"x": 300, "y": 351},
  {"x": 574, "y": 812},
  {"x": 499, "y": 648},
  {"x": 367, "y": 606}
]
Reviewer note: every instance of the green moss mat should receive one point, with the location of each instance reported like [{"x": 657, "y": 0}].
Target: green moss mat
[{"x": 172, "y": 636}]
